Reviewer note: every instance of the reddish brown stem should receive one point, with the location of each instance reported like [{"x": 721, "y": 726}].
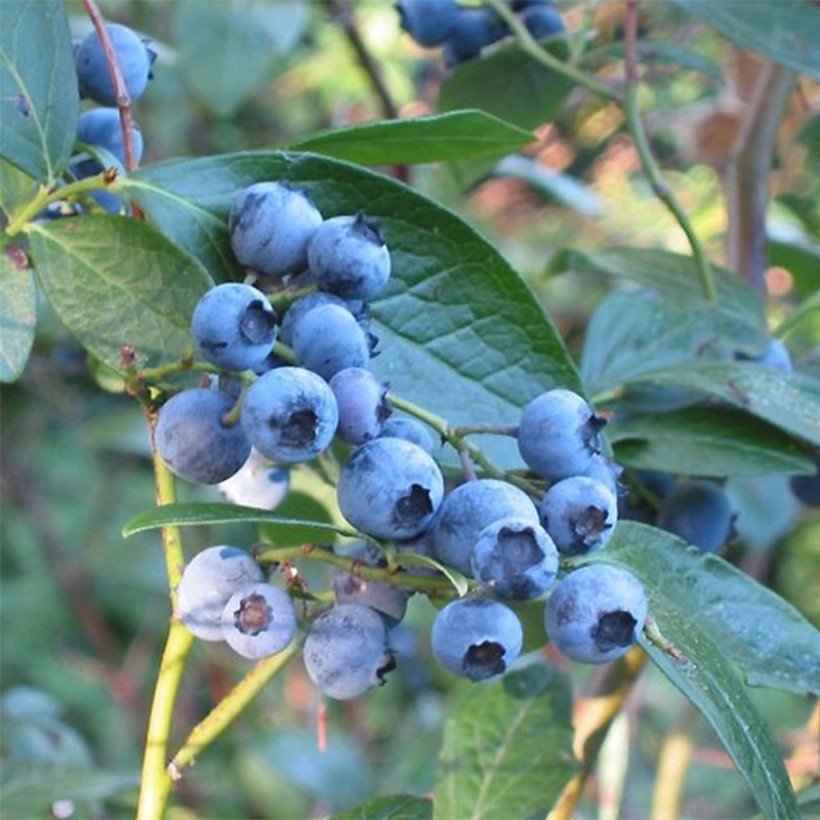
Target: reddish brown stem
[{"x": 123, "y": 99}]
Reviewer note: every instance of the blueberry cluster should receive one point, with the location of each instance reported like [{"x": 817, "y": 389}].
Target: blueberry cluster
[
  {"x": 463, "y": 31},
  {"x": 100, "y": 128}
]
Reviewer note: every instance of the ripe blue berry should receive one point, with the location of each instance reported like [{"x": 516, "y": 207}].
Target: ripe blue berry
[
  {"x": 101, "y": 127},
  {"x": 476, "y": 638},
  {"x": 514, "y": 559},
  {"x": 580, "y": 514},
  {"x": 390, "y": 488},
  {"x": 270, "y": 225},
  {"x": 474, "y": 29},
  {"x": 290, "y": 414},
  {"x": 207, "y": 583},
  {"x": 428, "y": 22},
  {"x": 133, "y": 57},
  {"x": 328, "y": 339},
  {"x": 258, "y": 621},
  {"x": 257, "y": 484},
  {"x": 348, "y": 257},
  {"x": 558, "y": 434},
  {"x": 606, "y": 471},
  {"x": 362, "y": 402},
  {"x": 387, "y": 599},
  {"x": 596, "y": 613},
  {"x": 543, "y": 20},
  {"x": 194, "y": 441},
  {"x": 301, "y": 306},
  {"x": 699, "y": 512},
  {"x": 234, "y": 326},
  {"x": 346, "y": 651},
  {"x": 470, "y": 508},
  {"x": 409, "y": 430}
]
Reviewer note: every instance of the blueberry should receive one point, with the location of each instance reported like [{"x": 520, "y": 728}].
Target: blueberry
[
  {"x": 133, "y": 57},
  {"x": 270, "y": 225},
  {"x": 542, "y": 20},
  {"x": 474, "y": 29},
  {"x": 301, "y": 306},
  {"x": 101, "y": 127},
  {"x": 193, "y": 440},
  {"x": 807, "y": 487},
  {"x": 514, "y": 559},
  {"x": 409, "y": 430},
  {"x": 328, "y": 339},
  {"x": 596, "y": 613},
  {"x": 390, "y": 488},
  {"x": 558, "y": 434},
  {"x": 207, "y": 582},
  {"x": 346, "y": 651},
  {"x": 428, "y": 22},
  {"x": 476, "y": 638},
  {"x": 290, "y": 414},
  {"x": 257, "y": 484},
  {"x": 699, "y": 512},
  {"x": 362, "y": 402},
  {"x": 470, "y": 508},
  {"x": 348, "y": 257},
  {"x": 234, "y": 326},
  {"x": 386, "y": 599},
  {"x": 606, "y": 471},
  {"x": 580, "y": 514},
  {"x": 258, "y": 621}
]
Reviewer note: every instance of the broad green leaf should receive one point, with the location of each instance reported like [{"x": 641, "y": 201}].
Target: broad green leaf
[
  {"x": 790, "y": 401},
  {"x": 507, "y": 747},
  {"x": 751, "y": 626},
  {"x": 785, "y": 31},
  {"x": 390, "y": 807},
  {"x": 18, "y": 316},
  {"x": 655, "y": 51},
  {"x": 454, "y": 311},
  {"x": 198, "y": 513},
  {"x": 16, "y": 187},
  {"x": 707, "y": 441},
  {"x": 115, "y": 281},
  {"x": 33, "y": 794},
  {"x": 228, "y": 49},
  {"x": 673, "y": 275},
  {"x": 38, "y": 87},
  {"x": 443, "y": 138},
  {"x": 640, "y": 331},
  {"x": 509, "y": 84}
]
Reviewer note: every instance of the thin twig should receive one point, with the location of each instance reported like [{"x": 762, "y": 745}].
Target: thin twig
[{"x": 123, "y": 99}]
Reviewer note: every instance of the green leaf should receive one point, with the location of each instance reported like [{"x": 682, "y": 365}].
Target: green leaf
[
  {"x": 454, "y": 311},
  {"x": 443, "y": 138},
  {"x": 115, "y": 281},
  {"x": 655, "y": 51},
  {"x": 509, "y": 84},
  {"x": 765, "y": 507},
  {"x": 706, "y": 441},
  {"x": 297, "y": 506},
  {"x": 38, "y": 87},
  {"x": 635, "y": 332},
  {"x": 228, "y": 49},
  {"x": 390, "y": 807},
  {"x": 787, "y": 400},
  {"x": 415, "y": 559},
  {"x": 673, "y": 275},
  {"x": 754, "y": 628},
  {"x": 507, "y": 747},
  {"x": 18, "y": 316},
  {"x": 786, "y": 32},
  {"x": 207, "y": 513},
  {"x": 16, "y": 187}
]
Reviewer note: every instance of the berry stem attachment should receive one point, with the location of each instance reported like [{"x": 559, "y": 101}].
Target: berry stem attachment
[
  {"x": 654, "y": 635},
  {"x": 231, "y": 418},
  {"x": 228, "y": 709},
  {"x": 123, "y": 99}
]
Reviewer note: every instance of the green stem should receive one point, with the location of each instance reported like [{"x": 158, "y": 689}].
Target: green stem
[
  {"x": 531, "y": 47},
  {"x": 420, "y": 583},
  {"x": 227, "y": 710}
]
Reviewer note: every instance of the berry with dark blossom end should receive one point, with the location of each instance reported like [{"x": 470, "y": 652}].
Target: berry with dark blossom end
[
  {"x": 476, "y": 638},
  {"x": 363, "y": 406},
  {"x": 258, "y": 621},
  {"x": 596, "y": 613}
]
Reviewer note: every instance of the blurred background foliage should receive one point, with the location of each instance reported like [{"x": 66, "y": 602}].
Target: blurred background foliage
[{"x": 84, "y": 611}]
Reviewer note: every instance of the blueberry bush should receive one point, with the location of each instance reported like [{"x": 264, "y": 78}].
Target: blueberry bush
[{"x": 443, "y": 526}]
